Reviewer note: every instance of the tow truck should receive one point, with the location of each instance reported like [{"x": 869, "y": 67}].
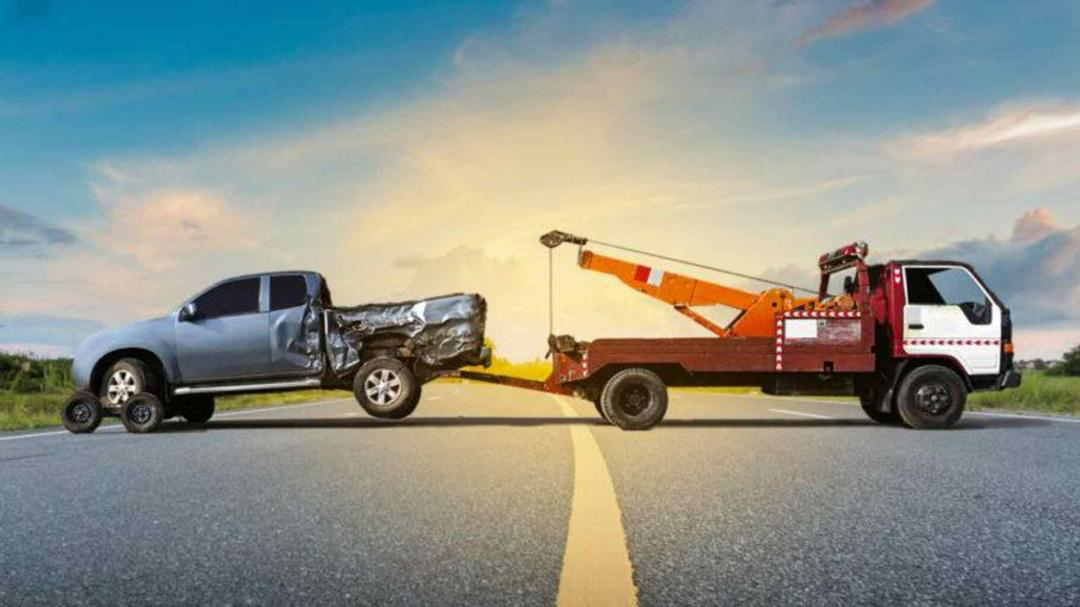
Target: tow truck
[{"x": 910, "y": 338}]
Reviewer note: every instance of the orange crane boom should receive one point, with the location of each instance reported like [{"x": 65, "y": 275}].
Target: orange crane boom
[{"x": 758, "y": 310}]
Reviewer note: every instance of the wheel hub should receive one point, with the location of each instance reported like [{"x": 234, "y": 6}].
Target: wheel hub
[
  {"x": 933, "y": 398},
  {"x": 81, "y": 413},
  {"x": 634, "y": 400},
  {"x": 383, "y": 387},
  {"x": 121, "y": 387},
  {"x": 140, "y": 414}
]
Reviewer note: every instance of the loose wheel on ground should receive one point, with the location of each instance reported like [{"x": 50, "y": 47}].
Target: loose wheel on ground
[
  {"x": 123, "y": 380},
  {"x": 81, "y": 413},
  {"x": 142, "y": 413},
  {"x": 386, "y": 388},
  {"x": 634, "y": 399},
  {"x": 197, "y": 409},
  {"x": 931, "y": 397}
]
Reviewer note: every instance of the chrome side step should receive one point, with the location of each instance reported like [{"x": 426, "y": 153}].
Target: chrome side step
[{"x": 279, "y": 385}]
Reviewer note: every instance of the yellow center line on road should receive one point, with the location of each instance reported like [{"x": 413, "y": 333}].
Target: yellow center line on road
[{"x": 596, "y": 564}]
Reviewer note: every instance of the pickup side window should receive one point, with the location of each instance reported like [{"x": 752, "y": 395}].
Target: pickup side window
[
  {"x": 948, "y": 287},
  {"x": 230, "y": 299},
  {"x": 287, "y": 291}
]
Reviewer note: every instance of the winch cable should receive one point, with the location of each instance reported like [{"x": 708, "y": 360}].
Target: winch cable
[{"x": 703, "y": 266}]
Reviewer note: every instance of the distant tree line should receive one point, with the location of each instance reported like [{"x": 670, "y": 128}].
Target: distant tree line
[
  {"x": 26, "y": 374},
  {"x": 1068, "y": 365}
]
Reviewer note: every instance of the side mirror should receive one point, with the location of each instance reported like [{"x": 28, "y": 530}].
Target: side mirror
[{"x": 187, "y": 313}]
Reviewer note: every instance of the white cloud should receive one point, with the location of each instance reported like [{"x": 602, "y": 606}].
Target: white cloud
[
  {"x": 160, "y": 228},
  {"x": 1017, "y": 124}
]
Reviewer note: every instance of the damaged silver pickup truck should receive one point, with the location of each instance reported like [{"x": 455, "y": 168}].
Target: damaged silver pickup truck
[{"x": 272, "y": 332}]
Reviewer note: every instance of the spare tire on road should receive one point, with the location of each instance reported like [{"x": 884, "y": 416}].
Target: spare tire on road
[
  {"x": 142, "y": 413},
  {"x": 386, "y": 388},
  {"x": 81, "y": 413}
]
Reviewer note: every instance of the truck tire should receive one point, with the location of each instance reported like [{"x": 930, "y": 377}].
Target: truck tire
[
  {"x": 634, "y": 399},
  {"x": 81, "y": 413},
  {"x": 197, "y": 409},
  {"x": 124, "y": 379},
  {"x": 600, "y": 410},
  {"x": 386, "y": 388},
  {"x": 142, "y": 413},
  {"x": 871, "y": 405},
  {"x": 931, "y": 397}
]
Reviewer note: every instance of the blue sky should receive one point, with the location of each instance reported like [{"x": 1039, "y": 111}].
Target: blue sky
[{"x": 405, "y": 148}]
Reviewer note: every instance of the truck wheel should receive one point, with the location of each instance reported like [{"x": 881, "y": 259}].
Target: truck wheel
[
  {"x": 197, "y": 409},
  {"x": 386, "y": 388},
  {"x": 634, "y": 399},
  {"x": 124, "y": 379},
  {"x": 81, "y": 413},
  {"x": 142, "y": 413},
  {"x": 600, "y": 410},
  {"x": 871, "y": 405},
  {"x": 931, "y": 397}
]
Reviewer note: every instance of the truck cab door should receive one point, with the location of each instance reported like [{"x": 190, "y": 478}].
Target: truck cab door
[
  {"x": 295, "y": 338},
  {"x": 226, "y": 337},
  {"x": 948, "y": 313}
]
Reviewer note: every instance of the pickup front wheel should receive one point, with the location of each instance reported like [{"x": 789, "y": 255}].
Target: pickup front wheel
[
  {"x": 386, "y": 388},
  {"x": 124, "y": 379}
]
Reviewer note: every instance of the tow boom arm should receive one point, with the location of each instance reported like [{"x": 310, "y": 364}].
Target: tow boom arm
[{"x": 757, "y": 310}]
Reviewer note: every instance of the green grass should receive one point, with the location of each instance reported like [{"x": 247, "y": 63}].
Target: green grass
[
  {"x": 264, "y": 399},
  {"x": 1038, "y": 392},
  {"x": 35, "y": 410}
]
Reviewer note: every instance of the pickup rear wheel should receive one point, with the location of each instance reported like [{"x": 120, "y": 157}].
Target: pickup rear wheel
[
  {"x": 197, "y": 409},
  {"x": 931, "y": 397},
  {"x": 81, "y": 413},
  {"x": 634, "y": 399},
  {"x": 386, "y": 388}
]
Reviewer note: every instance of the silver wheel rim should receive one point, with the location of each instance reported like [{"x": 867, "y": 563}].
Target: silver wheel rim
[
  {"x": 383, "y": 387},
  {"x": 121, "y": 387}
]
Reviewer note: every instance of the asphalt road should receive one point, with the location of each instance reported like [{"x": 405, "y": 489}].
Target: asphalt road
[{"x": 733, "y": 500}]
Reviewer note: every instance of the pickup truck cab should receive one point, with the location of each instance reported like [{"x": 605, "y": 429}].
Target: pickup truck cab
[{"x": 265, "y": 332}]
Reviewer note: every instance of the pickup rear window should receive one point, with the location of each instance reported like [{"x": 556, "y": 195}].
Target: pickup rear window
[{"x": 287, "y": 291}]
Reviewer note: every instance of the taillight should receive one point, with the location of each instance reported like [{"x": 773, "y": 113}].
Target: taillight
[{"x": 1008, "y": 347}]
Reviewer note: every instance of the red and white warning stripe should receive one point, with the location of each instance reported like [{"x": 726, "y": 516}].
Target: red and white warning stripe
[
  {"x": 779, "y": 343},
  {"x": 821, "y": 314},
  {"x": 650, "y": 276},
  {"x": 952, "y": 342}
]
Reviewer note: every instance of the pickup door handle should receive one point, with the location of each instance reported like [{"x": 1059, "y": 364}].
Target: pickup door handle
[{"x": 916, "y": 326}]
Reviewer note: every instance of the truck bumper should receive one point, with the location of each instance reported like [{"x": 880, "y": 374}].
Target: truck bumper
[{"x": 1008, "y": 379}]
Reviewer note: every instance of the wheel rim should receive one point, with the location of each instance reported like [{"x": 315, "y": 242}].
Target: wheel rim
[
  {"x": 634, "y": 399},
  {"x": 80, "y": 413},
  {"x": 933, "y": 398},
  {"x": 122, "y": 386},
  {"x": 141, "y": 413},
  {"x": 383, "y": 387}
]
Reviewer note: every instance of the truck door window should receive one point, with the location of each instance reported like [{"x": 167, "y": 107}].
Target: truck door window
[
  {"x": 287, "y": 291},
  {"x": 229, "y": 299},
  {"x": 948, "y": 287}
]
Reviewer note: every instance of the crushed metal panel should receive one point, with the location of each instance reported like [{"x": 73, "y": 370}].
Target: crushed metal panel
[{"x": 441, "y": 332}]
